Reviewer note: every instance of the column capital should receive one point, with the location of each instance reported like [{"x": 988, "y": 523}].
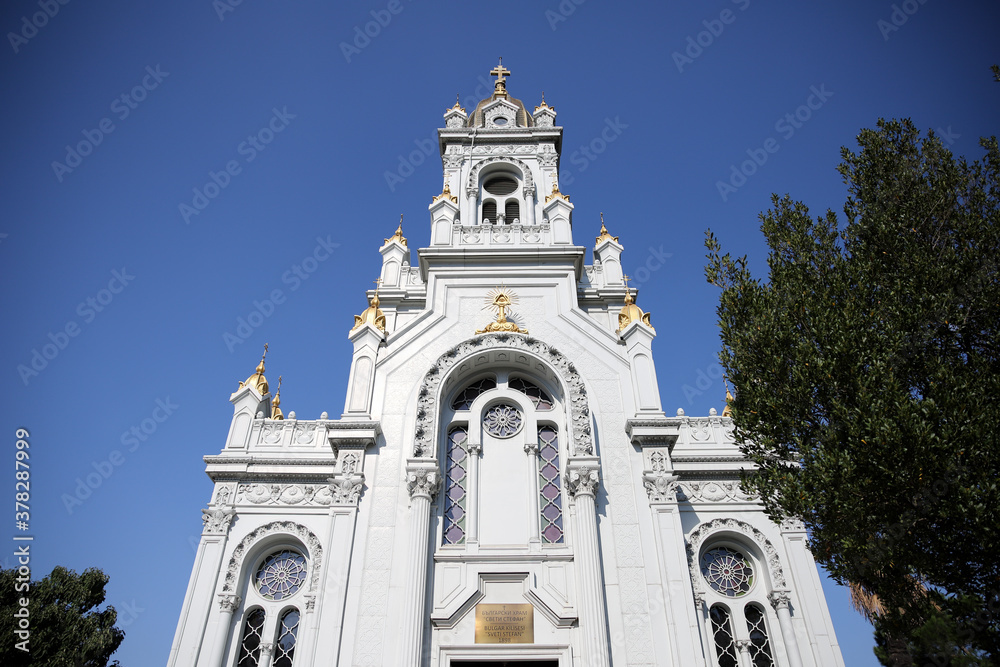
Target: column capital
[
  {"x": 216, "y": 520},
  {"x": 422, "y": 478},
  {"x": 475, "y": 448},
  {"x": 229, "y": 603},
  {"x": 744, "y": 645},
  {"x": 345, "y": 489},
  {"x": 266, "y": 649},
  {"x": 583, "y": 476},
  {"x": 660, "y": 487},
  {"x": 531, "y": 448},
  {"x": 780, "y": 599}
]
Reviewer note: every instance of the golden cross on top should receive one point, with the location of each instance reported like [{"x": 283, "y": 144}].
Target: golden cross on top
[
  {"x": 378, "y": 283},
  {"x": 499, "y": 71},
  {"x": 625, "y": 278}
]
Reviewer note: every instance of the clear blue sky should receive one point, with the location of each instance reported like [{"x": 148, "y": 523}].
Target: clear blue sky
[{"x": 198, "y": 79}]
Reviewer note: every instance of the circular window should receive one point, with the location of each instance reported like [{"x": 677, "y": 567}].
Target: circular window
[
  {"x": 500, "y": 122},
  {"x": 501, "y": 185},
  {"x": 727, "y": 571},
  {"x": 281, "y": 575},
  {"x": 503, "y": 421}
]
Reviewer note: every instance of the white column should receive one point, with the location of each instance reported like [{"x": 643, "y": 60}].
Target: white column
[
  {"x": 472, "y": 489},
  {"x": 534, "y": 534},
  {"x": 423, "y": 481},
  {"x": 779, "y": 600},
  {"x": 473, "y": 214},
  {"x": 227, "y": 605},
  {"x": 743, "y": 645},
  {"x": 529, "y": 206},
  {"x": 266, "y": 654},
  {"x": 582, "y": 479},
  {"x": 707, "y": 635}
]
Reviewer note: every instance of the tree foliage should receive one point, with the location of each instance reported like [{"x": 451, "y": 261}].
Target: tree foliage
[
  {"x": 867, "y": 371},
  {"x": 67, "y": 628}
]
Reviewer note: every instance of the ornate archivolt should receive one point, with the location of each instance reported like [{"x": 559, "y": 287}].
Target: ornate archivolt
[
  {"x": 429, "y": 395},
  {"x": 710, "y": 528},
  {"x": 275, "y": 527},
  {"x": 472, "y": 185}
]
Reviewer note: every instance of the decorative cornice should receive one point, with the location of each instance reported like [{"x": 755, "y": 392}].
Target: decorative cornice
[
  {"x": 429, "y": 394},
  {"x": 315, "y": 549},
  {"x": 705, "y": 530}
]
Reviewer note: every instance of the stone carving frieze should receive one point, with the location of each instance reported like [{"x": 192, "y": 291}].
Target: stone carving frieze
[
  {"x": 311, "y": 542},
  {"x": 283, "y": 494},
  {"x": 304, "y": 434},
  {"x": 271, "y": 434},
  {"x": 712, "y": 491},
  {"x": 707, "y": 529},
  {"x": 429, "y": 393}
]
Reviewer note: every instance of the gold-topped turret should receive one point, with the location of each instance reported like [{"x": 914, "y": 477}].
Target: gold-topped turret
[
  {"x": 631, "y": 313},
  {"x": 276, "y": 412},
  {"x": 543, "y": 105},
  {"x": 398, "y": 236},
  {"x": 605, "y": 236},
  {"x": 372, "y": 315},
  {"x": 499, "y": 300},
  {"x": 257, "y": 380},
  {"x": 445, "y": 194},
  {"x": 458, "y": 104}
]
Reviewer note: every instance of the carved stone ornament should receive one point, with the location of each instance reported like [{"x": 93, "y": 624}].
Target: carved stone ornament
[
  {"x": 266, "y": 649},
  {"x": 712, "y": 491},
  {"x": 472, "y": 184},
  {"x": 582, "y": 481},
  {"x": 311, "y": 542},
  {"x": 744, "y": 645},
  {"x": 792, "y": 526},
  {"x": 429, "y": 393},
  {"x": 216, "y": 520},
  {"x": 703, "y": 531},
  {"x": 346, "y": 489},
  {"x": 780, "y": 599},
  {"x": 310, "y": 602},
  {"x": 660, "y": 487},
  {"x": 422, "y": 482},
  {"x": 283, "y": 494},
  {"x": 229, "y": 603}
]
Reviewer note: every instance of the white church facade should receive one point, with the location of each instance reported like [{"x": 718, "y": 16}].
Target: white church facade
[{"x": 503, "y": 486}]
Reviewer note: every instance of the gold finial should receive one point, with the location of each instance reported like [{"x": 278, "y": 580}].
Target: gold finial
[
  {"x": 398, "y": 236},
  {"x": 728, "y": 410},
  {"x": 499, "y": 89},
  {"x": 276, "y": 412},
  {"x": 499, "y": 300},
  {"x": 458, "y": 104},
  {"x": 605, "y": 236},
  {"x": 446, "y": 193},
  {"x": 543, "y": 105},
  {"x": 257, "y": 380},
  {"x": 630, "y": 312},
  {"x": 372, "y": 315},
  {"x": 555, "y": 191}
]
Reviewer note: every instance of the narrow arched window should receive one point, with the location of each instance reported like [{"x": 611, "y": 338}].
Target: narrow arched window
[
  {"x": 463, "y": 399},
  {"x": 456, "y": 485},
  {"x": 722, "y": 629},
  {"x": 760, "y": 648},
  {"x": 250, "y": 644},
  {"x": 284, "y": 648},
  {"x": 512, "y": 211},
  {"x": 539, "y": 398},
  {"x": 490, "y": 212},
  {"x": 550, "y": 496}
]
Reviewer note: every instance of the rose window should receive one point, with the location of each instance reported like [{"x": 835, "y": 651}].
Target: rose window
[
  {"x": 281, "y": 575},
  {"x": 727, "y": 572},
  {"x": 503, "y": 421}
]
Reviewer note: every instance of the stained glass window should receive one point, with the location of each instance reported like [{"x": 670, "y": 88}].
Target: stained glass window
[
  {"x": 284, "y": 648},
  {"x": 549, "y": 501},
  {"x": 456, "y": 485},
  {"x": 760, "y": 648},
  {"x": 250, "y": 645},
  {"x": 532, "y": 391},
  {"x": 725, "y": 647},
  {"x": 727, "y": 571},
  {"x": 503, "y": 421},
  {"x": 281, "y": 575},
  {"x": 463, "y": 399}
]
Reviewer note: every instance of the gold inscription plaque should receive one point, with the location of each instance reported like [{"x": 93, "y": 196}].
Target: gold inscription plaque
[{"x": 505, "y": 624}]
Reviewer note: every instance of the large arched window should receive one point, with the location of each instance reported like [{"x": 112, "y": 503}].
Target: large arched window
[
  {"x": 270, "y": 623},
  {"x": 735, "y": 592},
  {"x": 501, "y": 196},
  {"x": 501, "y": 462}
]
